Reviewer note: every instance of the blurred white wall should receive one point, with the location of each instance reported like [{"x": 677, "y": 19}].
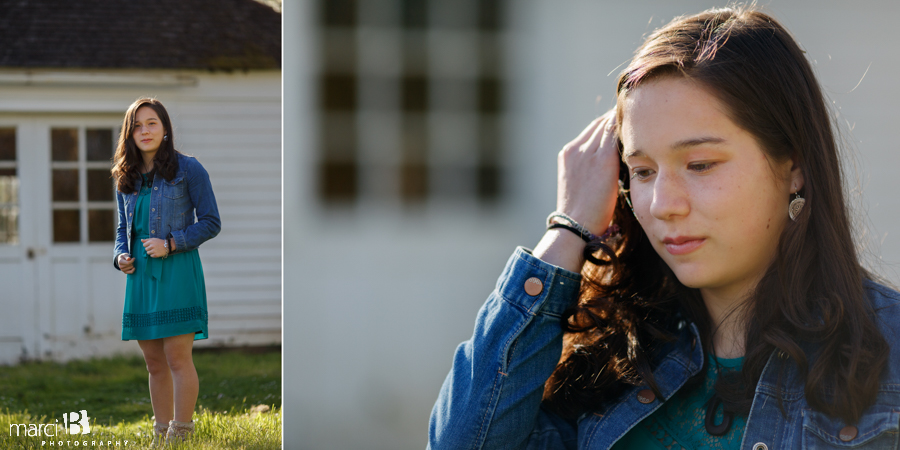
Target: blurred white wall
[{"x": 376, "y": 297}]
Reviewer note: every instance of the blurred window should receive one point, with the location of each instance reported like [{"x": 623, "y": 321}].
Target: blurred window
[{"x": 411, "y": 100}]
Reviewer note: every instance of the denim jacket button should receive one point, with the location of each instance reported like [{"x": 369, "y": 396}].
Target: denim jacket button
[
  {"x": 646, "y": 396},
  {"x": 152, "y": 231},
  {"x": 155, "y": 188},
  {"x": 848, "y": 433},
  {"x": 533, "y": 286},
  {"x": 760, "y": 446}
]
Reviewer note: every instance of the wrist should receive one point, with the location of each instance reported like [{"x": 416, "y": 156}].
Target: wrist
[{"x": 562, "y": 249}]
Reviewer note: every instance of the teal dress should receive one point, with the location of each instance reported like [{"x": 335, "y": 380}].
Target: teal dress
[
  {"x": 679, "y": 423},
  {"x": 164, "y": 296}
]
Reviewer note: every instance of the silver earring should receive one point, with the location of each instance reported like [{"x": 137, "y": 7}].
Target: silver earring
[
  {"x": 166, "y": 137},
  {"x": 796, "y": 206}
]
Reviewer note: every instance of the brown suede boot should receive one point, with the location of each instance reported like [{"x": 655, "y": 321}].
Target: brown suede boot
[{"x": 180, "y": 431}]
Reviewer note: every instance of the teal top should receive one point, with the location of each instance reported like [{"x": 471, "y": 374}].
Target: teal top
[
  {"x": 679, "y": 423},
  {"x": 164, "y": 297}
]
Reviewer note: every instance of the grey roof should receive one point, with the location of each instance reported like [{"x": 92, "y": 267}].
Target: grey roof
[{"x": 164, "y": 34}]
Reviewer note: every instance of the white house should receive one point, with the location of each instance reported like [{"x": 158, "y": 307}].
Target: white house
[
  {"x": 68, "y": 71},
  {"x": 399, "y": 217}
]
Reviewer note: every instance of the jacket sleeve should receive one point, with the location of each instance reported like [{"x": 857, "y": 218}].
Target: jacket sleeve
[
  {"x": 491, "y": 399},
  {"x": 121, "y": 235},
  {"x": 208, "y": 223}
]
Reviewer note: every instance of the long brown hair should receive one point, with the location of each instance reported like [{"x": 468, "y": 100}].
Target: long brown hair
[
  {"x": 810, "y": 306},
  {"x": 127, "y": 160}
]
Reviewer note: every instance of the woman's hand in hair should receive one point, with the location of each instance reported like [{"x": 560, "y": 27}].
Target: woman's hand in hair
[
  {"x": 588, "y": 175},
  {"x": 126, "y": 263},
  {"x": 155, "y": 247},
  {"x": 587, "y": 186}
]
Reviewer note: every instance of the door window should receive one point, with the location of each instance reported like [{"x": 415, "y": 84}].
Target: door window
[
  {"x": 83, "y": 198},
  {"x": 9, "y": 188}
]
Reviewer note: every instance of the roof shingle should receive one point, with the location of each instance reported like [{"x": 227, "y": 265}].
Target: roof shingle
[{"x": 162, "y": 34}]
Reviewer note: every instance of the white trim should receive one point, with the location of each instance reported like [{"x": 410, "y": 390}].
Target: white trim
[{"x": 100, "y": 79}]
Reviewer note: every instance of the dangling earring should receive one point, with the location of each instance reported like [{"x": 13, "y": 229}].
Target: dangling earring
[
  {"x": 166, "y": 137},
  {"x": 796, "y": 206}
]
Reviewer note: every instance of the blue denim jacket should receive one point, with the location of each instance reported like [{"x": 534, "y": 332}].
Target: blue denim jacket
[
  {"x": 491, "y": 399},
  {"x": 172, "y": 207}
]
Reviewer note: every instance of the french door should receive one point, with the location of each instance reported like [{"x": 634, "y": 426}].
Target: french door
[{"x": 61, "y": 294}]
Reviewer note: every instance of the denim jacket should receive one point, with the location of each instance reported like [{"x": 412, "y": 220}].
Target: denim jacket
[
  {"x": 491, "y": 399},
  {"x": 172, "y": 207}
]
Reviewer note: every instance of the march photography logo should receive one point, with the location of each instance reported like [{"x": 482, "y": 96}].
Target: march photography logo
[{"x": 73, "y": 431}]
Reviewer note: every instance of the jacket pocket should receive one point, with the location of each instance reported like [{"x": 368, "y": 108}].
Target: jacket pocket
[
  {"x": 876, "y": 430},
  {"x": 174, "y": 189}
]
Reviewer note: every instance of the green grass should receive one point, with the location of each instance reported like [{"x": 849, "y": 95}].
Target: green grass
[{"x": 115, "y": 395}]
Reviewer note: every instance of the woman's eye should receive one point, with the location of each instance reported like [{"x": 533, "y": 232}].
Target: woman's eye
[
  {"x": 641, "y": 174},
  {"x": 701, "y": 167}
]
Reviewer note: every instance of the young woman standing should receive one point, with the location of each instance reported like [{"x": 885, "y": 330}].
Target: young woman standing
[{"x": 159, "y": 191}]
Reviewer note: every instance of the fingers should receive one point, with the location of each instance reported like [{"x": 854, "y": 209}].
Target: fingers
[
  {"x": 591, "y": 138},
  {"x": 586, "y": 134}
]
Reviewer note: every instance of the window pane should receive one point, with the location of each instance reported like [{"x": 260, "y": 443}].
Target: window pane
[
  {"x": 489, "y": 15},
  {"x": 488, "y": 182},
  {"x": 338, "y": 92},
  {"x": 64, "y": 144},
  {"x": 100, "y": 187},
  {"x": 65, "y": 185},
  {"x": 490, "y": 95},
  {"x": 9, "y": 209},
  {"x": 7, "y": 144},
  {"x": 338, "y": 13},
  {"x": 66, "y": 225},
  {"x": 9, "y": 186},
  {"x": 99, "y": 145},
  {"x": 337, "y": 181},
  {"x": 9, "y": 224},
  {"x": 414, "y": 93},
  {"x": 101, "y": 225},
  {"x": 414, "y": 13},
  {"x": 413, "y": 181}
]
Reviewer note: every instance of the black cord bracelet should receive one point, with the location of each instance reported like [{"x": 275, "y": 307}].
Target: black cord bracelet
[
  {"x": 570, "y": 228},
  {"x": 595, "y": 243}
]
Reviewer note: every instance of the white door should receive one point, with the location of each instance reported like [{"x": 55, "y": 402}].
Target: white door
[
  {"x": 18, "y": 296},
  {"x": 71, "y": 293}
]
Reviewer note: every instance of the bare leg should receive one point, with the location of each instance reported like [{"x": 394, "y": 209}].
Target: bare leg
[
  {"x": 160, "y": 379},
  {"x": 184, "y": 375}
]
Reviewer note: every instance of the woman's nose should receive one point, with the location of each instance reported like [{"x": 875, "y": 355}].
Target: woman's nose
[{"x": 669, "y": 197}]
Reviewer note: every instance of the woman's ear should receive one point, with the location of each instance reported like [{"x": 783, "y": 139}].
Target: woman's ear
[{"x": 796, "y": 175}]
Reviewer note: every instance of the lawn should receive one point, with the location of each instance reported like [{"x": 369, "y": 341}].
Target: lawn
[{"x": 239, "y": 406}]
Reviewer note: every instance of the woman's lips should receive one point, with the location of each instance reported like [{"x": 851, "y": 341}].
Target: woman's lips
[{"x": 682, "y": 245}]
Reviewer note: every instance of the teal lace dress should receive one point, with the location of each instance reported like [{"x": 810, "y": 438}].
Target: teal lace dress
[
  {"x": 163, "y": 297},
  {"x": 680, "y": 422}
]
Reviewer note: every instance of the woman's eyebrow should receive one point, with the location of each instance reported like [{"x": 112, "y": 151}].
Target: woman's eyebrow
[{"x": 693, "y": 142}]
